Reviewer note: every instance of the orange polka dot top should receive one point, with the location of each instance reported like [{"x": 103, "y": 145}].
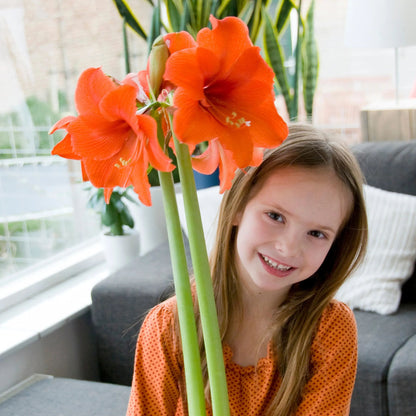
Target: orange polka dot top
[{"x": 158, "y": 379}]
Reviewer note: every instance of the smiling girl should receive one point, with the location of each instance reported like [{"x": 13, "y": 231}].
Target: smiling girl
[{"x": 290, "y": 231}]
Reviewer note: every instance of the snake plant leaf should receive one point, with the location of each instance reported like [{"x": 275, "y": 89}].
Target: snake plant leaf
[
  {"x": 274, "y": 56},
  {"x": 155, "y": 28},
  {"x": 127, "y": 14},
  {"x": 256, "y": 20},
  {"x": 283, "y": 14},
  {"x": 221, "y": 11},
  {"x": 174, "y": 16},
  {"x": 205, "y": 12},
  {"x": 310, "y": 61},
  {"x": 214, "y": 7},
  {"x": 246, "y": 12},
  {"x": 185, "y": 19}
]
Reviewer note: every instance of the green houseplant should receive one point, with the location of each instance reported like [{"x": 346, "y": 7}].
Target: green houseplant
[
  {"x": 120, "y": 241},
  {"x": 116, "y": 214}
]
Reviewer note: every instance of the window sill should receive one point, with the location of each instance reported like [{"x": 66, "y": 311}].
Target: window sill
[{"x": 41, "y": 314}]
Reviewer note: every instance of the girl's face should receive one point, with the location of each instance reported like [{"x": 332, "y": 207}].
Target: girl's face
[{"x": 288, "y": 227}]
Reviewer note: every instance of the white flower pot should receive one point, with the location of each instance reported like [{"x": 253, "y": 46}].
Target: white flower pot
[{"x": 120, "y": 250}]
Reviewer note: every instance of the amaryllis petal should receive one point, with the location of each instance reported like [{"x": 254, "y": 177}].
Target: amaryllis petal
[
  {"x": 191, "y": 123},
  {"x": 92, "y": 85},
  {"x": 157, "y": 158},
  {"x": 208, "y": 161},
  {"x": 227, "y": 172},
  {"x": 64, "y": 149},
  {"x": 216, "y": 156},
  {"x": 107, "y": 194},
  {"x": 238, "y": 142},
  {"x": 120, "y": 104},
  {"x": 228, "y": 38},
  {"x": 63, "y": 123},
  {"x": 179, "y": 40},
  {"x": 140, "y": 182},
  {"x": 182, "y": 69},
  {"x": 95, "y": 137}
]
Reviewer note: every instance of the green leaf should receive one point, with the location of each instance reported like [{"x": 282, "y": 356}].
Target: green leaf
[
  {"x": 274, "y": 56},
  {"x": 126, "y": 12},
  {"x": 126, "y": 218},
  {"x": 155, "y": 28},
  {"x": 205, "y": 12},
  {"x": 174, "y": 15},
  {"x": 246, "y": 12},
  {"x": 221, "y": 9},
  {"x": 186, "y": 18},
  {"x": 310, "y": 61},
  {"x": 255, "y": 20},
  {"x": 109, "y": 216},
  {"x": 283, "y": 14}
]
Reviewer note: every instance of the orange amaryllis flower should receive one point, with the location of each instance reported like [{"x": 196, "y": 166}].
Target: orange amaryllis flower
[
  {"x": 216, "y": 156},
  {"x": 114, "y": 144},
  {"x": 225, "y": 92}
]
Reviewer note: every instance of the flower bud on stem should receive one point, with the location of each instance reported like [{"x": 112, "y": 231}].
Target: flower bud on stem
[{"x": 157, "y": 61}]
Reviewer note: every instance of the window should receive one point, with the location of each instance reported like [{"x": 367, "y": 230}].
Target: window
[{"x": 44, "y": 46}]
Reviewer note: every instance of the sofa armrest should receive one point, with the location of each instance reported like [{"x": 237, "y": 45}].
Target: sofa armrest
[{"x": 119, "y": 305}]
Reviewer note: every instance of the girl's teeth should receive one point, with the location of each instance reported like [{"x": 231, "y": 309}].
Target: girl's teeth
[{"x": 275, "y": 265}]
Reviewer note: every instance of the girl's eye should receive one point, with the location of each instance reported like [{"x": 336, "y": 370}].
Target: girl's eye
[
  {"x": 275, "y": 216},
  {"x": 317, "y": 234}
]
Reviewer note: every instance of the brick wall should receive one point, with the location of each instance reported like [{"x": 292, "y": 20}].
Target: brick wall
[{"x": 65, "y": 37}]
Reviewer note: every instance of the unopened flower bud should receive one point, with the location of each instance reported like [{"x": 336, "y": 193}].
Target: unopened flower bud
[{"x": 157, "y": 61}]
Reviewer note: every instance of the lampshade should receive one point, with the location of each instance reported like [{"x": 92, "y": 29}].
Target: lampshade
[{"x": 381, "y": 23}]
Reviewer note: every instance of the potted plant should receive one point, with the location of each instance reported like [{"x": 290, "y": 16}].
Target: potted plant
[{"x": 120, "y": 241}]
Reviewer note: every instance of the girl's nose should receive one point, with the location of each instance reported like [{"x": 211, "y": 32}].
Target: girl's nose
[{"x": 288, "y": 243}]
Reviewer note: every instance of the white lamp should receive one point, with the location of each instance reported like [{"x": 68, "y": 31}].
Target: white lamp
[{"x": 381, "y": 23}]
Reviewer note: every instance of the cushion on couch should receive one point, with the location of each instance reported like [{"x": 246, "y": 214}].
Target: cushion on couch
[
  {"x": 67, "y": 397},
  {"x": 376, "y": 285}
]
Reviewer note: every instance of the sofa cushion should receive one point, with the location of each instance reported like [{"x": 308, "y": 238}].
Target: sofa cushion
[
  {"x": 379, "y": 338},
  {"x": 376, "y": 285},
  {"x": 388, "y": 165},
  {"x": 67, "y": 397},
  {"x": 402, "y": 380}
]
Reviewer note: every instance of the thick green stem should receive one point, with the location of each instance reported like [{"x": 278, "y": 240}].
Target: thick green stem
[
  {"x": 205, "y": 293},
  {"x": 192, "y": 361}
]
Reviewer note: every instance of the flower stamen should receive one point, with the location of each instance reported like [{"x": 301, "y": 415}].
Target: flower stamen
[
  {"x": 123, "y": 163},
  {"x": 234, "y": 122}
]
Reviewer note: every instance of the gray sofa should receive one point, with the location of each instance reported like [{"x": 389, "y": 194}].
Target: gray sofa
[{"x": 386, "y": 376}]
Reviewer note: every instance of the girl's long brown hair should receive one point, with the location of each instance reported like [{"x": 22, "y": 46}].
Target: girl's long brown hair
[{"x": 298, "y": 317}]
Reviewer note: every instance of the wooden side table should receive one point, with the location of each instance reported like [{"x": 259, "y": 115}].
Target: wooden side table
[{"x": 389, "y": 121}]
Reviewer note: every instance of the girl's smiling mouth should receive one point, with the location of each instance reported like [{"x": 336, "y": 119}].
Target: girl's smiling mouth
[{"x": 274, "y": 266}]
